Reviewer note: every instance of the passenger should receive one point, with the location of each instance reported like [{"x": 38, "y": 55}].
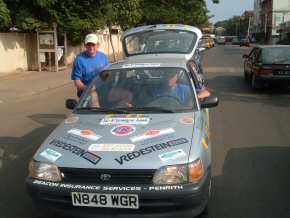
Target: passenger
[{"x": 105, "y": 94}]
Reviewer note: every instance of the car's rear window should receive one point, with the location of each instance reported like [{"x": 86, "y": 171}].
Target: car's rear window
[
  {"x": 276, "y": 55},
  {"x": 160, "y": 41}
]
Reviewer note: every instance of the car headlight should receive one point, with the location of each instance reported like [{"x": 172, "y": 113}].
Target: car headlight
[
  {"x": 44, "y": 171},
  {"x": 179, "y": 174}
]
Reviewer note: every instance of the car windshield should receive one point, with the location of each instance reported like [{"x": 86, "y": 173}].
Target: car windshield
[
  {"x": 160, "y": 90},
  {"x": 278, "y": 55},
  {"x": 160, "y": 41}
]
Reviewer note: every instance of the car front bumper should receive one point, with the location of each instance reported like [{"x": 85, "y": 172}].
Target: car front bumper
[
  {"x": 186, "y": 200},
  {"x": 272, "y": 77}
]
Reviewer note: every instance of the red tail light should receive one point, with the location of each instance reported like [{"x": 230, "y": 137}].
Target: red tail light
[{"x": 266, "y": 70}]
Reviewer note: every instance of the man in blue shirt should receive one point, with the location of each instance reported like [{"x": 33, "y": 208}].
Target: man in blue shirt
[
  {"x": 182, "y": 92},
  {"x": 88, "y": 63}
]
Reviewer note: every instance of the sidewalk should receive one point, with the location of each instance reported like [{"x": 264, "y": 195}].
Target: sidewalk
[{"x": 18, "y": 85}]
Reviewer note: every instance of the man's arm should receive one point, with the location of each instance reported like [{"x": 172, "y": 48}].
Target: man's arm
[{"x": 79, "y": 84}]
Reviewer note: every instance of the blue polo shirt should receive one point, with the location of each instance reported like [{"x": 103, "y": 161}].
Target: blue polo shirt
[
  {"x": 181, "y": 92},
  {"x": 86, "y": 67}
]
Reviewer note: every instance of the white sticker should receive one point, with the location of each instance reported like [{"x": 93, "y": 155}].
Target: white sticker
[
  {"x": 111, "y": 147},
  {"x": 151, "y": 134},
  {"x": 171, "y": 155},
  {"x": 141, "y": 65},
  {"x": 88, "y": 134},
  {"x": 71, "y": 119},
  {"x": 125, "y": 120},
  {"x": 50, "y": 154}
]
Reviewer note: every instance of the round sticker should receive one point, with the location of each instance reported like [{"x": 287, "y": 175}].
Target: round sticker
[
  {"x": 152, "y": 132},
  {"x": 123, "y": 130},
  {"x": 87, "y": 132},
  {"x": 186, "y": 120},
  {"x": 71, "y": 119}
]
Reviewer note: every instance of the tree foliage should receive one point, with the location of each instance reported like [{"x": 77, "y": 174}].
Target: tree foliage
[
  {"x": 4, "y": 15},
  {"x": 79, "y": 17}
]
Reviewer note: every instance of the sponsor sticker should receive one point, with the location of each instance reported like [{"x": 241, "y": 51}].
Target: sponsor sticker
[
  {"x": 172, "y": 155},
  {"x": 125, "y": 120},
  {"x": 149, "y": 149},
  {"x": 123, "y": 130},
  {"x": 151, "y": 134},
  {"x": 111, "y": 147},
  {"x": 141, "y": 65},
  {"x": 70, "y": 186},
  {"x": 71, "y": 119},
  {"x": 88, "y": 134},
  {"x": 50, "y": 154},
  {"x": 204, "y": 143},
  {"x": 186, "y": 120},
  {"x": 76, "y": 151}
]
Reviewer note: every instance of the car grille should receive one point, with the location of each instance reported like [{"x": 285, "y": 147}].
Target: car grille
[{"x": 93, "y": 176}]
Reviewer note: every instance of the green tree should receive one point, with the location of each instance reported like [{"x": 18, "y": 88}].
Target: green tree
[{"x": 4, "y": 15}]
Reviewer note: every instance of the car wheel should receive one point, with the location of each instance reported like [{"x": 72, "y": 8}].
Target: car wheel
[
  {"x": 246, "y": 75},
  {"x": 256, "y": 84}
]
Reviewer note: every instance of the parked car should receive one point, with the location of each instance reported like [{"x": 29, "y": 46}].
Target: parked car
[
  {"x": 132, "y": 146},
  {"x": 235, "y": 41},
  {"x": 244, "y": 42},
  {"x": 221, "y": 40},
  {"x": 266, "y": 64}
]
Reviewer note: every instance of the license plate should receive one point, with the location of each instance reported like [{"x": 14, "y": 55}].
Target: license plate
[
  {"x": 283, "y": 73},
  {"x": 105, "y": 200}
]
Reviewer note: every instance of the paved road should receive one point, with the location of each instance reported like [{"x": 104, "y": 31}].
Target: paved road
[{"x": 250, "y": 134}]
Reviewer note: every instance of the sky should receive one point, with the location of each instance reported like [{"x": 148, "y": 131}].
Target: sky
[{"x": 228, "y": 8}]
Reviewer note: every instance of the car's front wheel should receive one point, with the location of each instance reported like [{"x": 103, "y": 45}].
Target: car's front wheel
[
  {"x": 246, "y": 75},
  {"x": 256, "y": 84}
]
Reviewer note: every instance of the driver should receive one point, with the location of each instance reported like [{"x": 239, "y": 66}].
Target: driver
[{"x": 170, "y": 87}]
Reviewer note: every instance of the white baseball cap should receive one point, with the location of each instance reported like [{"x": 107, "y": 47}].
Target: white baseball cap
[{"x": 91, "y": 38}]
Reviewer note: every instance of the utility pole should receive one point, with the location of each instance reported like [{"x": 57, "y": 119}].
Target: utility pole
[{"x": 249, "y": 24}]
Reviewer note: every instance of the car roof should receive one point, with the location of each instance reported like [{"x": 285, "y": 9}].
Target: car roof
[
  {"x": 152, "y": 61},
  {"x": 272, "y": 46},
  {"x": 162, "y": 27}
]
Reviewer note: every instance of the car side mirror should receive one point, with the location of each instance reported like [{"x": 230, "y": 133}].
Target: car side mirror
[
  {"x": 71, "y": 103},
  {"x": 201, "y": 49},
  {"x": 210, "y": 101},
  {"x": 245, "y": 56}
]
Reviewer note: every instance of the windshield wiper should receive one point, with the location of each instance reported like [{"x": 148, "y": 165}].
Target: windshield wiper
[
  {"x": 101, "y": 109},
  {"x": 148, "y": 109}
]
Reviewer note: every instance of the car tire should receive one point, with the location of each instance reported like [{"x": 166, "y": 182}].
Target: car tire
[
  {"x": 246, "y": 75},
  {"x": 256, "y": 84}
]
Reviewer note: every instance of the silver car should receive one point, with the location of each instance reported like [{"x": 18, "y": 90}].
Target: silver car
[{"x": 136, "y": 144}]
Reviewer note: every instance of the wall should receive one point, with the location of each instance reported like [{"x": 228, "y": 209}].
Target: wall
[{"x": 18, "y": 51}]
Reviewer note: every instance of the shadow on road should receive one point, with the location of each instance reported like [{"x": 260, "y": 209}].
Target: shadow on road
[
  {"x": 17, "y": 152},
  {"x": 234, "y": 88},
  {"x": 254, "y": 184}
]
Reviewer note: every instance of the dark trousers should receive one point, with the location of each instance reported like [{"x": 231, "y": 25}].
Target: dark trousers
[{"x": 79, "y": 93}]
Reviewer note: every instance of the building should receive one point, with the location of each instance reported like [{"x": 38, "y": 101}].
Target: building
[
  {"x": 269, "y": 14},
  {"x": 257, "y": 21}
]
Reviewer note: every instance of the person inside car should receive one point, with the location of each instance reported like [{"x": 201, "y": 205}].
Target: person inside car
[
  {"x": 171, "y": 87},
  {"x": 105, "y": 94}
]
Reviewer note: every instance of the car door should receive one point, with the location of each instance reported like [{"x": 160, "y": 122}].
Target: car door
[
  {"x": 249, "y": 61},
  {"x": 256, "y": 60}
]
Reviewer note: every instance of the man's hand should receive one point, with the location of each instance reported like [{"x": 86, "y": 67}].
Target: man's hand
[{"x": 80, "y": 85}]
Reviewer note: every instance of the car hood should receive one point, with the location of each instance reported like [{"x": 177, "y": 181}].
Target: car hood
[{"x": 146, "y": 141}]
